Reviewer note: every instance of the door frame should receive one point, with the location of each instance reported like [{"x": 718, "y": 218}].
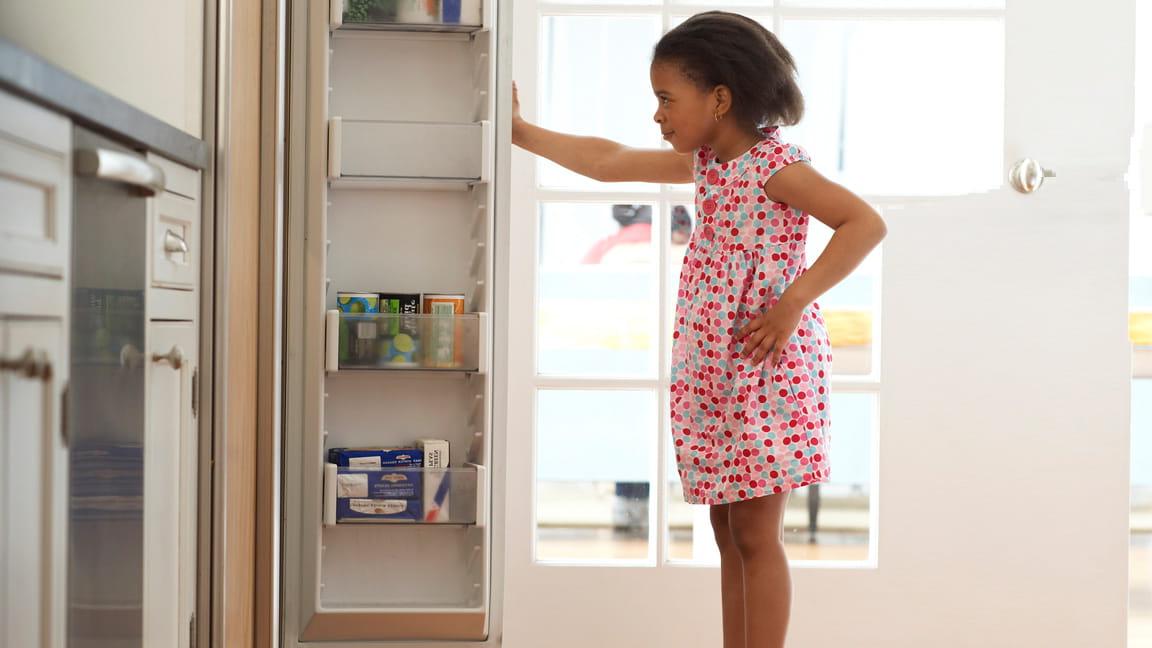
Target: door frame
[{"x": 241, "y": 340}]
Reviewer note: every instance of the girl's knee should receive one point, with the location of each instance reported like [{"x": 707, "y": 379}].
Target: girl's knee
[
  {"x": 755, "y": 525},
  {"x": 752, "y": 541},
  {"x": 721, "y": 527}
]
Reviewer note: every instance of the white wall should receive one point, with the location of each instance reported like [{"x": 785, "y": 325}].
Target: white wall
[{"x": 146, "y": 52}]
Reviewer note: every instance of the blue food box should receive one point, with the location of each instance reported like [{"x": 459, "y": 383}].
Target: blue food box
[
  {"x": 376, "y": 457},
  {"x": 379, "y": 494},
  {"x": 450, "y": 12}
]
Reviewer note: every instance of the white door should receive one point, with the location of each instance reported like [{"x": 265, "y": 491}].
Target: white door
[
  {"x": 170, "y": 485},
  {"x": 986, "y": 428},
  {"x": 33, "y": 483}
]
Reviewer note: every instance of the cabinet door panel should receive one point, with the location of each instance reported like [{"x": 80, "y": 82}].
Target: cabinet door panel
[
  {"x": 33, "y": 484},
  {"x": 169, "y": 484}
]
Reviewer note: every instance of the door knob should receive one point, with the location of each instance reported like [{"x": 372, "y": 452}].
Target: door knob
[
  {"x": 175, "y": 357},
  {"x": 32, "y": 364},
  {"x": 1028, "y": 175}
]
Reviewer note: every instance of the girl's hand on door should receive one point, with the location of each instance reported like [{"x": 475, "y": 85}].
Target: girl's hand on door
[{"x": 515, "y": 103}]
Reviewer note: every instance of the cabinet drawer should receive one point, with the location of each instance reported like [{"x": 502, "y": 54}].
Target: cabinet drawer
[
  {"x": 175, "y": 242},
  {"x": 35, "y": 182},
  {"x": 178, "y": 178}
]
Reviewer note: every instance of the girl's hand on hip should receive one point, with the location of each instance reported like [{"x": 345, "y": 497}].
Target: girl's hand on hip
[{"x": 767, "y": 334}]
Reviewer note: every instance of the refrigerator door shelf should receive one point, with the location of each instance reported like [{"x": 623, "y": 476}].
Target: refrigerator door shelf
[
  {"x": 403, "y": 183},
  {"x": 459, "y": 16},
  {"x": 405, "y": 495},
  {"x": 416, "y": 624},
  {"x": 406, "y": 342},
  {"x": 408, "y": 153}
]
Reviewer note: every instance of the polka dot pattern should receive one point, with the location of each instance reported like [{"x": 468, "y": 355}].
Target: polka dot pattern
[{"x": 744, "y": 430}]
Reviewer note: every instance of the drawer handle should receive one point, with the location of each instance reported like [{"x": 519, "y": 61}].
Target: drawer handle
[
  {"x": 174, "y": 243},
  {"x": 33, "y": 364},
  {"x": 121, "y": 167},
  {"x": 175, "y": 357}
]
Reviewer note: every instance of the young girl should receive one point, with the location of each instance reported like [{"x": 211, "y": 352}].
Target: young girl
[{"x": 751, "y": 357}]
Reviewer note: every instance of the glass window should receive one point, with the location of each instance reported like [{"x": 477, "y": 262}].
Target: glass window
[
  {"x": 597, "y": 281},
  {"x": 594, "y": 465},
  {"x": 601, "y": 335},
  {"x": 870, "y": 129},
  {"x": 896, "y": 4},
  {"x": 594, "y": 81},
  {"x": 849, "y": 309}
]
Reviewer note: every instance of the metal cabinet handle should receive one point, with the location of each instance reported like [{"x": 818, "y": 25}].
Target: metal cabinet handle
[
  {"x": 120, "y": 167},
  {"x": 175, "y": 357},
  {"x": 32, "y": 364},
  {"x": 173, "y": 242}
]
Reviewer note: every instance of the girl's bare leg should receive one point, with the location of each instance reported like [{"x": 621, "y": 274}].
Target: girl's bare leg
[
  {"x": 731, "y": 578},
  {"x": 757, "y": 531}
]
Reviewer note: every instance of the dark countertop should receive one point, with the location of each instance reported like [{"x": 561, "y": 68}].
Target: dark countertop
[{"x": 28, "y": 75}]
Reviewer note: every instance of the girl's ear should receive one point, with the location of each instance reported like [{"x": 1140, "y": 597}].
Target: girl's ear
[{"x": 722, "y": 95}]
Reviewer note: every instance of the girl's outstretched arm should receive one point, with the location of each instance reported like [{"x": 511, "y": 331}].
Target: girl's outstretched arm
[{"x": 599, "y": 158}]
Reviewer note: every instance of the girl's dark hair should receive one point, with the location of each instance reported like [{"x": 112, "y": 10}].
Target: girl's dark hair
[{"x": 721, "y": 48}]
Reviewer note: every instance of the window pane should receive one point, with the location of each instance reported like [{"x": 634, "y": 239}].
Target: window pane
[
  {"x": 850, "y": 309},
  {"x": 897, "y": 4},
  {"x": 544, "y": 3},
  {"x": 759, "y": 5},
  {"x": 1140, "y": 291},
  {"x": 594, "y": 465},
  {"x": 675, "y": 20},
  {"x": 824, "y": 522},
  {"x": 596, "y": 307},
  {"x": 902, "y": 107},
  {"x": 594, "y": 81},
  {"x": 682, "y": 221}
]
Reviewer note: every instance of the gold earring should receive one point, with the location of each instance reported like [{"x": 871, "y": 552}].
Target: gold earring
[{"x": 716, "y": 116}]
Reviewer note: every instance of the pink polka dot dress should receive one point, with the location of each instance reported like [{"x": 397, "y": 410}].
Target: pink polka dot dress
[{"x": 744, "y": 430}]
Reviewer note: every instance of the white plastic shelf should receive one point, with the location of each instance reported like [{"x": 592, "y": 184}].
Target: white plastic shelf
[
  {"x": 419, "y": 155},
  {"x": 405, "y": 495},
  {"x": 406, "y": 342}
]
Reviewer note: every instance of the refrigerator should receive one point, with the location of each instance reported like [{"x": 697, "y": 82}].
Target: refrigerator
[{"x": 396, "y": 190}]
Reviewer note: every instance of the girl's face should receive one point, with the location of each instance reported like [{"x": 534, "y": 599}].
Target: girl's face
[{"x": 685, "y": 113}]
